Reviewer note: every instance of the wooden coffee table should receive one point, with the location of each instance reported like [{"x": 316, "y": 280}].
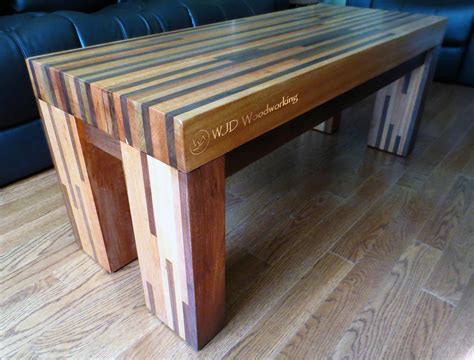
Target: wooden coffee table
[{"x": 143, "y": 132}]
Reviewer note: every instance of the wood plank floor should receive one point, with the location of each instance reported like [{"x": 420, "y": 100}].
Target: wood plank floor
[{"x": 334, "y": 250}]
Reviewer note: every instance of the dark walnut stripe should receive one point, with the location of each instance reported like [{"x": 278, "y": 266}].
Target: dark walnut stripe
[
  {"x": 149, "y": 200},
  {"x": 183, "y": 97},
  {"x": 320, "y": 42},
  {"x": 151, "y": 297},
  {"x": 235, "y": 57},
  {"x": 172, "y": 292}
]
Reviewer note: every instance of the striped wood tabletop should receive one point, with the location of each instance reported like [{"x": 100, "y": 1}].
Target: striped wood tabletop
[{"x": 189, "y": 96}]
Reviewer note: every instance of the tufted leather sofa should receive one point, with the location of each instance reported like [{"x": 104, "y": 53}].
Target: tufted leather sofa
[
  {"x": 456, "y": 59},
  {"x": 34, "y": 30}
]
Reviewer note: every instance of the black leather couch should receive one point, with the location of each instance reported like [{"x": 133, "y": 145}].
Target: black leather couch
[
  {"x": 456, "y": 59},
  {"x": 35, "y": 27}
]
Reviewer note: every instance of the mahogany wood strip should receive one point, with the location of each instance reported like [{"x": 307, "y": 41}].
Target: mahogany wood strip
[
  {"x": 101, "y": 140},
  {"x": 190, "y": 96},
  {"x": 330, "y": 126},
  {"x": 107, "y": 183},
  {"x": 202, "y": 195},
  {"x": 398, "y": 108},
  {"x": 182, "y": 266}
]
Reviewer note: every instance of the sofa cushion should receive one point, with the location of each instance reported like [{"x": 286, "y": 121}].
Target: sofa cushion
[
  {"x": 359, "y": 3},
  {"x": 449, "y": 63},
  {"x": 93, "y": 29},
  {"x": 171, "y": 15},
  {"x": 266, "y": 6},
  {"x": 458, "y": 12},
  {"x": 131, "y": 24},
  {"x": 453, "y": 60},
  {"x": 39, "y": 35},
  {"x": 46, "y": 34},
  {"x": 134, "y": 19},
  {"x": 54, "y": 5},
  {"x": 5, "y": 8},
  {"x": 17, "y": 103},
  {"x": 459, "y": 23},
  {"x": 203, "y": 12},
  {"x": 234, "y": 9},
  {"x": 466, "y": 75},
  {"x": 11, "y": 22},
  {"x": 23, "y": 151}
]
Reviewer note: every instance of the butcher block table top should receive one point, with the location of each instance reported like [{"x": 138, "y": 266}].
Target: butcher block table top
[{"x": 189, "y": 96}]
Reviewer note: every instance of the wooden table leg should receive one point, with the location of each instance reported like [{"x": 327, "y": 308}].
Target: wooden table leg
[
  {"x": 179, "y": 224},
  {"x": 330, "y": 126},
  {"x": 398, "y": 108},
  {"x": 93, "y": 186}
]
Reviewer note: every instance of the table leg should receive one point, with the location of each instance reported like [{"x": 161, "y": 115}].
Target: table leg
[
  {"x": 179, "y": 224},
  {"x": 398, "y": 108},
  {"x": 93, "y": 186},
  {"x": 330, "y": 126}
]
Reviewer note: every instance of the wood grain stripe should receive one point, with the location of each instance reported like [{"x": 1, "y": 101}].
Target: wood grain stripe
[
  {"x": 172, "y": 294},
  {"x": 151, "y": 297},
  {"x": 148, "y": 196},
  {"x": 63, "y": 158},
  {"x": 75, "y": 146},
  {"x": 86, "y": 222}
]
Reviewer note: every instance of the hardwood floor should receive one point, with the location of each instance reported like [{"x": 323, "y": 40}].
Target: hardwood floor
[{"x": 333, "y": 250}]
